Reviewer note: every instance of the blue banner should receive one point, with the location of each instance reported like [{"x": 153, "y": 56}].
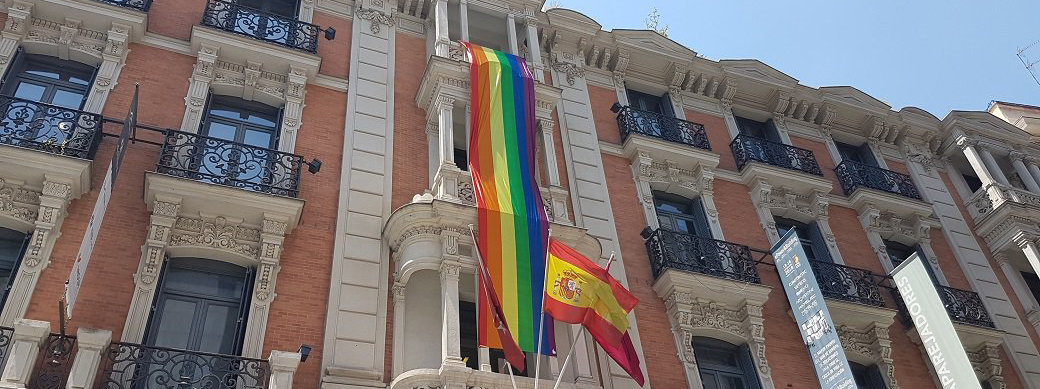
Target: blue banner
[{"x": 811, "y": 314}]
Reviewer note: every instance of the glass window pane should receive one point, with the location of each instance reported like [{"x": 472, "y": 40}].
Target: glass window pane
[
  {"x": 733, "y": 383},
  {"x": 210, "y": 284},
  {"x": 174, "y": 323},
  {"x": 708, "y": 380},
  {"x": 67, "y": 99},
  {"x": 221, "y": 130},
  {"x": 218, "y": 331},
  {"x": 44, "y": 73},
  {"x": 258, "y": 138},
  {"x": 29, "y": 91},
  {"x": 78, "y": 80}
]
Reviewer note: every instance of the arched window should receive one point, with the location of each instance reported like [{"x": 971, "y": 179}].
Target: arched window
[
  {"x": 723, "y": 365},
  {"x": 201, "y": 305},
  {"x": 12, "y": 248},
  {"x": 680, "y": 214},
  {"x": 50, "y": 80},
  {"x": 867, "y": 377}
]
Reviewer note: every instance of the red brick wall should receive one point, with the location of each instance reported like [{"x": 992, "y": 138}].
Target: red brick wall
[
  {"x": 335, "y": 54},
  {"x": 605, "y": 121},
  {"x": 823, "y": 157},
  {"x": 175, "y": 18},
  {"x": 718, "y": 137}
]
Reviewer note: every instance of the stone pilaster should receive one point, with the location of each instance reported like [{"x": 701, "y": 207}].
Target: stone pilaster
[
  {"x": 112, "y": 59},
  {"x": 153, "y": 254},
  {"x": 198, "y": 89}
]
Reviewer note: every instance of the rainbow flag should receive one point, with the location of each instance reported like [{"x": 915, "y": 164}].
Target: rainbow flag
[{"x": 513, "y": 229}]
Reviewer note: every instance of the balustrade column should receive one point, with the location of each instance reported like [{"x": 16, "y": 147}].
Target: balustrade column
[
  {"x": 440, "y": 23},
  {"x": 445, "y": 104},
  {"x": 1023, "y": 172},
  {"x": 991, "y": 164},
  {"x": 534, "y": 51},
  {"x": 514, "y": 48},
  {"x": 90, "y": 344},
  {"x": 21, "y": 357},
  {"x": 971, "y": 153},
  {"x": 451, "y": 353},
  {"x": 283, "y": 367},
  {"x": 1018, "y": 285}
]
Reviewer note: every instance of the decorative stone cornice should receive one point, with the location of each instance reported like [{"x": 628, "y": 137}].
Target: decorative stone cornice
[{"x": 217, "y": 233}]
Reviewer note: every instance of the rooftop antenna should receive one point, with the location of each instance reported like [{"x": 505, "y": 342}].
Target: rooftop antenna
[{"x": 1028, "y": 62}]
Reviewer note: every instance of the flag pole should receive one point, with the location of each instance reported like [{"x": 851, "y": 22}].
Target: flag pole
[
  {"x": 541, "y": 322},
  {"x": 480, "y": 263},
  {"x": 568, "y": 359}
]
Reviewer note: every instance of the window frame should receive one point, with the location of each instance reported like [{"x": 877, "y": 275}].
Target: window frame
[
  {"x": 241, "y": 126},
  {"x": 16, "y": 262},
  {"x": 66, "y": 70}
]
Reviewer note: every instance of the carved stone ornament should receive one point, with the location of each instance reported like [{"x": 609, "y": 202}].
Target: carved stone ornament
[
  {"x": 217, "y": 234},
  {"x": 376, "y": 18},
  {"x": 264, "y": 281},
  {"x": 569, "y": 69},
  {"x": 19, "y": 203}
]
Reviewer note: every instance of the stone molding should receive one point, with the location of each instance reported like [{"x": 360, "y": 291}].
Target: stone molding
[{"x": 871, "y": 343}]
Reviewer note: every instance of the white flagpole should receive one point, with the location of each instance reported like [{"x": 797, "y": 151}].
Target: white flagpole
[
  {"x": 568, "y": 359},
  {"x": 480, "y": 262},
  {"x": 541, "y": 321}
]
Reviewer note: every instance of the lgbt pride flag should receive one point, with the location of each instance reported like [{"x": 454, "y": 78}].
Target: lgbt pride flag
[{"x": 513, "y": 229}]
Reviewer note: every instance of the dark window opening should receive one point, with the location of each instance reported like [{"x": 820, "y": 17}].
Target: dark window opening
[
  {"x": 812, "y": 239},
  {"x": 723, "y": 365},
  {"x": 201, "y": 305},
  {"x": 1033, "y": 283},
  {"x": 861, "y": 153},
  {"x": 468, "y": 334},
  {"x": 680, "y": 214},
  {"x": 974, "y": 184},
  {"x": 287, "y": 8},
  {"x": 12, "y": 248},
  {"x": 762, "y": 130},
  {"x": 867, "y": 377},
  {"x": 898, "y": 252},
  {"x": 462, "y": 159},
  {"x": 645, "y": 102}
]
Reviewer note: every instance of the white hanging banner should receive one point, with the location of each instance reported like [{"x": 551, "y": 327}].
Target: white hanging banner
[{"x": 945, "y": 351}]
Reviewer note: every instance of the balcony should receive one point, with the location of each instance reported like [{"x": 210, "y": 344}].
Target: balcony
[
  {"x": 762, "y": 160},
  {"x": 846, "y": 283},
  {"x": 970, "y": 318},
  {"x": 259, "y": 25},
  {"x": 655, "y": 125},
  {"x": 691, "y": 253},
  {"x": 49, "y": 128},
  {"x": 870, "y": 186},
  {"x": 1003, "y": 212},
  {"x": 140, "y": 5},
  {"x": 228, "y": 163},
  {"x": 128, "y": 365}
]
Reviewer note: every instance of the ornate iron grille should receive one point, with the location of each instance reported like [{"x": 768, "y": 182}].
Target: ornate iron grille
[
  {"x": 847, "y": 283},
  {"x": 854, "y": 174},
  {"x": 260, "y": 25},
  {"x": 53, "y": 363},
  {"x": 229, "y": 163},
  {"x": 963, "y": 306},
  {"x": 636, "y": 121},
  {"x": 676, "y": 250},
  {"x": 6, "y": 336},
  {"x": 134, "y": 366},
  {"x": 748, "y": 149},
  {"x": 50, "y": 128},
  {"x": 140, "y": 5}
]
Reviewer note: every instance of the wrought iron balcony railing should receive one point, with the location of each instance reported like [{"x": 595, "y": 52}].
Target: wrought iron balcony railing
[
  {"x": 134, "y": 366},
  {"x": 140, "y": 5},
  {"x": 6, "y": 339},
  {"x": 260, "y": 25},
  {"x": 53, "y": 363},
  {"x": 229, "y": 163},
  {"x": 50, "y": 128},
  {"x": 854, "y": 175},
  {"x": 747, "y": 149},
  {"x": 637, "y": 121},
  {"x": 680, "y": 251},
  {"x": 963, "y": 306},
  {"x": 846, "y": 283}
]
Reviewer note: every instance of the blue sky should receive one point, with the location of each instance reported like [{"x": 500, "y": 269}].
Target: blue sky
[{"x": 939, "y": 56}]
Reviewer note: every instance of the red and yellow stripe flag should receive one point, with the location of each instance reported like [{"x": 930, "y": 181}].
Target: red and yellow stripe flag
[{"x": 577, "y": 291}]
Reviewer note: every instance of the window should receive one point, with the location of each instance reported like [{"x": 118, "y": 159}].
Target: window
[
  {"x": 898, "y": 252},
  {"x": 1033, "y": 283},
  {"x": 974, "y": 184},
  {"x": 468, "y": 334},
  {"x": 680, "y": 214},
  {"x": 12, "y": 248},
  {"x": 49, "y": 80},
  {"x": 241, "y": 121},
  {"x": 757, "y": 129},
  {"x": 867, "y": 377},
  {"x": 201, "y": 305},
  {"x": 723, "y": 365},
  {"x": 813, "y": 243},
  {"x": 285, "y": 8},
  {"x": 646, "y": 102},
  {"x": 861, "y": 153}
]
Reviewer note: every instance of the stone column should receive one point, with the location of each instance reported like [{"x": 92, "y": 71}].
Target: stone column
[
  {"x": 21, "y": 357},
  {"x": 534, "y": 48},
  {"x": 731, "y": 121},
  {"x": 1025, "y": 296},
  {"x": 399, "y": 291},
  {"x": 464, "y": 19},
  {"x": 292, "y": 114},
  {"x": 1034, "y": 171},
  {"x": 451, "y": 353},
  {"x": 198, "y": 88},
  {"x": 433, "y": 150},
  {"x": 19, "y": 16},
  {"x": 551, "y": 168},
  {"x": 992, "y": 166},
  {"x": 514, "y": 48},
  {"x": 153, "y": 254},
  {"x": 971, "y": 153},
  {"x": 1023, "y": 172},
  {"x": 754, "y": 325},
  {"x": 306, "y": 13},
  {"x": 1029, "y": 247},
  {"x": 444, "y": 106},
  {"x": 706, "y": 185},
  {"x": 112, "y": 58},
  {"x": 440, "y": 28},
  {"x": 90, "y": 344},
  {"x": 271, "y": 237},
  {"x": 283, "y": 367}
]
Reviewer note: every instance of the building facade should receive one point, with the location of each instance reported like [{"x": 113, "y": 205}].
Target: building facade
[{"x": 294, "y": 206}]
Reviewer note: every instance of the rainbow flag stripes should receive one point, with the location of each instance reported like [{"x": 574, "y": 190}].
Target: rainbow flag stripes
[{"x": 513, "y": 228}]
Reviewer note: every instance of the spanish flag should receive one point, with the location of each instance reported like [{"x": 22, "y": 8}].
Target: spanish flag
[{"x": 577, "y": 291}]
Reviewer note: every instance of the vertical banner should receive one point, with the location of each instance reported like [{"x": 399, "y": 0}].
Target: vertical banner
[
  {"x": 811, "y": 314},
  {"x": 945, "y": 351},
  {"x": 86, "y": 247}
]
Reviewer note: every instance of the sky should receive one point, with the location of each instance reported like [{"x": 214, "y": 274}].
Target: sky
[{"x": 935, "y": 55}]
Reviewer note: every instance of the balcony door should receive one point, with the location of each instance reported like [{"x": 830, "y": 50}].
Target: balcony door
[
  {"x": 271, "y": 20},
  {"x": 723, "y": 365},
  {"x": 12, "y": 248},
  {"x": 245, "y": 136},
  {"x": 62, "y": 86},
  {"x": 201, "y": 305}
]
